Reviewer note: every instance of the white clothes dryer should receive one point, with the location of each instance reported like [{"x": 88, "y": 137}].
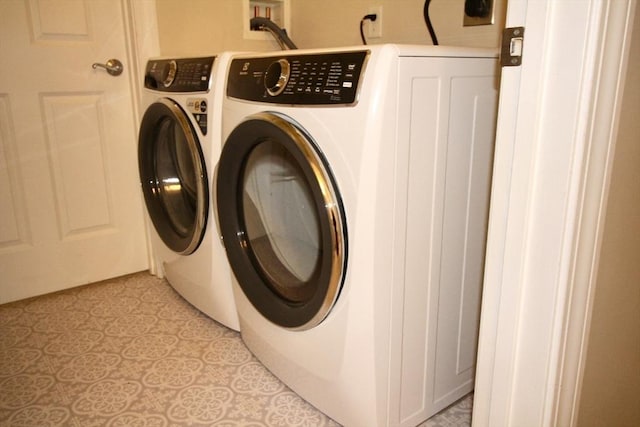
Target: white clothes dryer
[
  {"x": 178, "y": 147},
  {"x": 353, "y": 196}
]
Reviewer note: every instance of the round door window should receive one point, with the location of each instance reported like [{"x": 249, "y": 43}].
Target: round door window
[
  {"x": 281, "y": 220},
  {"x": 173, "y": 176}
]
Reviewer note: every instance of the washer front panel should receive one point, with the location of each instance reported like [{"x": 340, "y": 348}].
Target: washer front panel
[{"x": 282, "y": 221}]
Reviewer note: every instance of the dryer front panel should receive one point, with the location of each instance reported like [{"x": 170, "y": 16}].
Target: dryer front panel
[
  {"x": 282, "y": 220},
  {"x": 173, "y": 176}
]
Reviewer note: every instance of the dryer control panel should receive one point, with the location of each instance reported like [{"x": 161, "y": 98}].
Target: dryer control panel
[
  {"x": 179, "y": 75},
  {"x": 305, "y": 79}
]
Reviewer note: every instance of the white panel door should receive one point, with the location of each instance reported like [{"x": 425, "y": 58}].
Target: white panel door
[{"x": 70, "y": 208}]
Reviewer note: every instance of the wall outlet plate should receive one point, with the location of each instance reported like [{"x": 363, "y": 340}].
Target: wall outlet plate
[
  {"x": 374, "y": 28},
  {"x": 478, "y": 12}
]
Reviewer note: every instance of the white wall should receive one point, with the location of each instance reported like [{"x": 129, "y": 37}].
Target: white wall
[
  {"x": 203, "y": 27},
  {"x": 331, "y": 23},
  {"x": 194, "y": 27}
]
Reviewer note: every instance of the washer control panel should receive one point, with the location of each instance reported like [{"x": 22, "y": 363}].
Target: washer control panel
[
  {"x": 306, "y": 79},
  {"x": 179, "y": 75}
]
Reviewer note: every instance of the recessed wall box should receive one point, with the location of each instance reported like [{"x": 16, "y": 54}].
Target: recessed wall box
[{"x": 276, "y": 10}]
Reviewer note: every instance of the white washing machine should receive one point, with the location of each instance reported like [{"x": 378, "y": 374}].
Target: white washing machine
[
  {"x": 178, "y": 148},
  {"x": 353, "y": 196}
]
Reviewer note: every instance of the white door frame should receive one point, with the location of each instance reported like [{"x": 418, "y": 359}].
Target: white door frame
[
  {"x": 557, "y": 128},
  {"x": 141, "y": 25}
]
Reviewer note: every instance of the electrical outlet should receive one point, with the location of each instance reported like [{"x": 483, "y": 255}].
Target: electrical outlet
[{"x": 375, "y": 27}]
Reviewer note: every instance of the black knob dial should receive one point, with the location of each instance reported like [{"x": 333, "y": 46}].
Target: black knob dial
[
  {"x": 169, "y": 73},
  {"x": 276, "y": 77}
]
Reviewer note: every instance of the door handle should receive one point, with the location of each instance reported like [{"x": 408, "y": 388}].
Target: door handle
[{"x": 113, "y": 67}]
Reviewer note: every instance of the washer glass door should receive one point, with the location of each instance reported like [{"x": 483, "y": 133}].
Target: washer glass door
[
  {"x": 173, "y": 176},
  {"x": 282, "y": 220}
]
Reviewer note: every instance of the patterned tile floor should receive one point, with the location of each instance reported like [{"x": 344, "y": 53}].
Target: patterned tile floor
[{"x": 132, "y": 352}]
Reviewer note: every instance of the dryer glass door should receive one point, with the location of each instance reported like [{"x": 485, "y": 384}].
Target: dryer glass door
[
  {"x": 173, "y": 176},
  {"x": 282, "y": 220}
]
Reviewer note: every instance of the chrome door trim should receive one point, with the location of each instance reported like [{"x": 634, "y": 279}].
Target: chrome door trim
[
  {"x": 151, "y": 189},
  {"x": 331, "y": 208},
  {"x": 331, "y": 204}
]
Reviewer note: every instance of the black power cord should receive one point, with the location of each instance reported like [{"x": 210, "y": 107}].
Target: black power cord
[
  {"x": 372, "y": 17},
  {"x": 427, "y": 21},
  {"x": 280, "y": 34}
]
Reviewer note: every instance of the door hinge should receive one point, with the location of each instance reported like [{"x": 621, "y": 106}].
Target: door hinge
[{"x": 512, "y": 45}]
